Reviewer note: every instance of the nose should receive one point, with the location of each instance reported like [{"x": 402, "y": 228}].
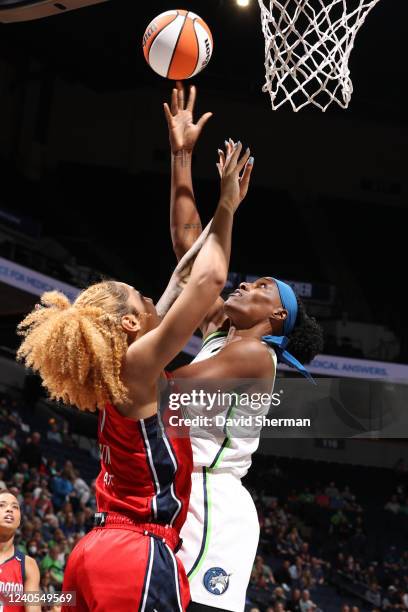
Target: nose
[{"x": 244, "y": 286}]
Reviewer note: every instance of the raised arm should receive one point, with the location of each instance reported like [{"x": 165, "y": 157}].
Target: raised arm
[
  {"x": 152, "y": 352},
  {"x": 185, "y": 223},
  {"x": 181, "y": 275},
  {"x": 214, "y": 317}
]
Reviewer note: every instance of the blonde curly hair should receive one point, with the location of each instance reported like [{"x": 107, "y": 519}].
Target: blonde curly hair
[{"x": 78, "y": 349}]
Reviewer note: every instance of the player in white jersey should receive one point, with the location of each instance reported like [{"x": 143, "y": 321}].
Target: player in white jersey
[{"x": 243, "y": 338}]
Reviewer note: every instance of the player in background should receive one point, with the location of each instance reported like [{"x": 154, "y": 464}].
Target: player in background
[{"x": 19, "y": 573}]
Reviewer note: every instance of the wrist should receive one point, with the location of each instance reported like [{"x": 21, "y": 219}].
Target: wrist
[
  {"x": 228, "y": 202},
  {"x": 182, "y": 154}
]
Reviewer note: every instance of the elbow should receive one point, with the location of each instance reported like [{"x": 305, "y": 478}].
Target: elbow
[
  {"x": 212, "y": 281},
  {"x": 180, "y": 246},
  {"x": 178, "y": 249}
]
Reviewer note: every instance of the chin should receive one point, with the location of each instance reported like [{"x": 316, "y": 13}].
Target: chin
[{"x": 229, "y": 310}]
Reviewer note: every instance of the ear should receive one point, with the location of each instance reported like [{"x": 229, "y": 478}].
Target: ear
[
  {"x": 277, "y": 318},
  {"x": 279, "y": 314},
  {"x": 130, "y": 323}
]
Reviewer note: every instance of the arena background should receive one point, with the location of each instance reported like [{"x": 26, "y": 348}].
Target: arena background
[{"x": 85, "y": 193}]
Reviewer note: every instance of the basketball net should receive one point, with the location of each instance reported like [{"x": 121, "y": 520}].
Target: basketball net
[{"x": 307, "y": 49}]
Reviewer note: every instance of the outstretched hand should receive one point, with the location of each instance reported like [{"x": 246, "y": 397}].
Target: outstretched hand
[
  {"x": 183, "y": 132},
  {"x": 246, "y": 175},
  {"x": 233, "y": 186}
]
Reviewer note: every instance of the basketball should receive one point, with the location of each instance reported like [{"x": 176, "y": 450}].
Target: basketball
[{"x": 177, "y": 44}]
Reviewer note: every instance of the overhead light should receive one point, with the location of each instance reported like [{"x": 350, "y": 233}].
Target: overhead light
[{"x": 243, "y": 2}]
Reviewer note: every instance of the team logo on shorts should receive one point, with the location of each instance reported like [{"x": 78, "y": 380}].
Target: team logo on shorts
[{"x": 216, "y": 580}]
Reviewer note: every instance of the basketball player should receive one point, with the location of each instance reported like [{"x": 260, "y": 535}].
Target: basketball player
[
  {"x": 221, "y": 533},
  {"x": 107, "y": 351},
  {"x": 18, "y": 572}
]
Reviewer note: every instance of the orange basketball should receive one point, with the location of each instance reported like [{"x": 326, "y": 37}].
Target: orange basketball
[{"x": 177, "y": 44}]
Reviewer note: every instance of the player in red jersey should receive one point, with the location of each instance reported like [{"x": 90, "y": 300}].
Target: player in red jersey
[
  {"x": 18, "y": 572},
  {"x": 107, "y": 351}
]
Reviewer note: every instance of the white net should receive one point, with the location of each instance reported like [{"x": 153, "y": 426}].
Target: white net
[{"x": 307, "y": 49}]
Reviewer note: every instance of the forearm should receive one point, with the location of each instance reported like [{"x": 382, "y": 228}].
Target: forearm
[
  {"x": 213, "y": 259},
  {"x": 185, "y": 223},
  {"x": 181, "y": 275}
]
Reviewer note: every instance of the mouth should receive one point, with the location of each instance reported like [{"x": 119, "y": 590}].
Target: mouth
[
  {"x": 9, "y": 519},
  {"x": 236, "y": 293}
]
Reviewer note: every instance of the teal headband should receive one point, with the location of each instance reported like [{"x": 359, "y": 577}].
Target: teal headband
[
  {"x": 289, "y": 303},
  {"x": 279, "y": 343}
]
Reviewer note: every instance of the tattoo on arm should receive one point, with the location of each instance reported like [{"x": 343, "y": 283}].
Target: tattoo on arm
[{"x": 192, "y": 226}]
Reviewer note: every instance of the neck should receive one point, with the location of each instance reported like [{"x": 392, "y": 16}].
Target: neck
[
  {"x": 257, "y": 331},
  {"x": 6, "y": 545}
]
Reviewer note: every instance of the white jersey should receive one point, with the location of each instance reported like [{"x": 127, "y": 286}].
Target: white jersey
[
  {"x": 227, "y": 452},
  {"x": 221, "y": 532}
]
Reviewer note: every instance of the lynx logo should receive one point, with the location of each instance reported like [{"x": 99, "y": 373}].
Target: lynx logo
[
  {"x": 149, "y": 32},
  {"x": 207, "y": 53},
  {"x": 216, "y": 580}
]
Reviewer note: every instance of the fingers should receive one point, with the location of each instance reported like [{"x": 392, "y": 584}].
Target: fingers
[
  {"x": 167, "y": 112},
  {"x": 191, "y": 98},
  {"x": 174, "y": 103},
  {"x": 203, "y": 120},
  {"x": 221, "y": 162},
  {"x": 180, "y": 95},
  {"x": 231, "y": 162},
  {"x": 246, "y": 175},
  {"x": 243, "y": 160},
  {"x": 221, "y": 156},
  {"x": 228, "y": 148},
  {"x": 229, "y": 159},
  {"x": 248, "y": 169}
]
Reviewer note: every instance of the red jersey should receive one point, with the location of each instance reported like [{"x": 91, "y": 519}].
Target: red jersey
[
  {"x": 144, "y": 473},
  {"x": 12, "y": 577}
]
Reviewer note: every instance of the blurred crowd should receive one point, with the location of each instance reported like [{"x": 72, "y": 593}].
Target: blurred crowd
[
  {"x": 309, "y": 566},
  {"x": 57, "y": 505}
]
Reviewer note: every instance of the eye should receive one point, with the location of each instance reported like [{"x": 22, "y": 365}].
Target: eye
[{"x": 263, "y": 285}]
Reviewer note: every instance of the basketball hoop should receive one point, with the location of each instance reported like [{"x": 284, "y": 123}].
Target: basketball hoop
[{"x": 307, "y": 50}]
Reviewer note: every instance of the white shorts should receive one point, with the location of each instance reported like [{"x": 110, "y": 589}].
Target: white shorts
[{"x": 220, "y": 539}]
